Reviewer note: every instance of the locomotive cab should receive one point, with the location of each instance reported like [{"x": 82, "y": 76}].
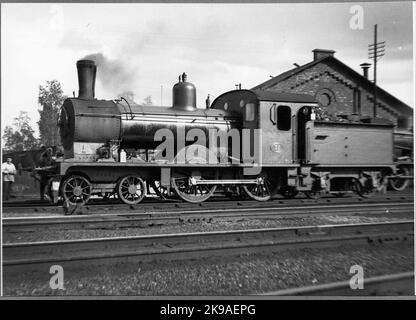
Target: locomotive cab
[{"x": 280, "y": 120}]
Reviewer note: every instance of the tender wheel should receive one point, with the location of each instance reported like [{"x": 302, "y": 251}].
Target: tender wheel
[
  {"x": 366, "y": 187},
  {"x": 400, "y": 184},
  {"x": 263, "y": 190},
  {"x": 76, "y": 190},
  {"x": 289, "y": 192},
  {"x": 313, "y": 194},
  {"x": 185, "y": 187},
  {"x": 316, "y": 192},
  {"x": 131, "y": 189}
]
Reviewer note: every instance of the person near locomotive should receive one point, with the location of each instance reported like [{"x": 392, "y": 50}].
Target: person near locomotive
[
  {"x": 45, "y": 160},
  {"x": 8, "y": 170}
]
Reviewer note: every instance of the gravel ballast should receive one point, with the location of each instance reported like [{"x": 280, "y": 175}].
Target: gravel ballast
[{"x": 233, "y": 275}]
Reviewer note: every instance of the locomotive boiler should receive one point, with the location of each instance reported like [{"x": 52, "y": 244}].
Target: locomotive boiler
[
  {"x": 86, "y": 122},
  {"x": 271, "y": 142}
]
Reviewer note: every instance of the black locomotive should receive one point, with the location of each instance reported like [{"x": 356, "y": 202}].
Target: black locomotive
[{"x": 247, "y": 142}]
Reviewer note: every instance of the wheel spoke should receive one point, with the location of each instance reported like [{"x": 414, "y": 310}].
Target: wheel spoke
[{"x": 70, "y": 184}]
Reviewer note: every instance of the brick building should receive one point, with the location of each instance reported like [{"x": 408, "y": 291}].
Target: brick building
[{"x": 340, "y": 90}]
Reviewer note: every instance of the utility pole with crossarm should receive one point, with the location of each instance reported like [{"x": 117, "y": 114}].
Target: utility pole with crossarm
[{"x": 376, "y": 50}]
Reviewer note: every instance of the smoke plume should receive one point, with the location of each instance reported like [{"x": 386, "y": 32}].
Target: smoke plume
[{"x": 113, "y": 75}]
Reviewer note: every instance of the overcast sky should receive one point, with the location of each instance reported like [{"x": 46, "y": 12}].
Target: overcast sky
[{"x": 218, "y": 45}]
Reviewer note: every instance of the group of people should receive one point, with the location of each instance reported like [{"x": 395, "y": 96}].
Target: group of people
[{"x": 43, "y": 158}]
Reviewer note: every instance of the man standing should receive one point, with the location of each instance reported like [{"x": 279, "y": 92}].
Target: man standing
[
  {"x": 8, "y": 170},
  {"x": 45, "y": 160}
]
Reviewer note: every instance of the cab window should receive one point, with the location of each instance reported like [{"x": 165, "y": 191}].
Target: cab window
[
  {"x": 284, "y": 118},
  {"x": 250, "y": 112}
]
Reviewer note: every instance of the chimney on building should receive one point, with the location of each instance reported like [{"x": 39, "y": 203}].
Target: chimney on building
[
  {"x": 320, "y": 53},
  {"x": 365, "y": 66}
]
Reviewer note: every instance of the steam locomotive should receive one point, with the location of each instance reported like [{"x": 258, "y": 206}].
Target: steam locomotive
[{"x": 247, "y": 142}]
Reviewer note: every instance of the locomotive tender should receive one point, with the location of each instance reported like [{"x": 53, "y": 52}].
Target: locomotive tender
[{"x": 114, "y": 147}]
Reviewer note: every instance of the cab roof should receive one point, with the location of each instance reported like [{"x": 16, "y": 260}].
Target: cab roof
[{"x": 269, "y": 95}]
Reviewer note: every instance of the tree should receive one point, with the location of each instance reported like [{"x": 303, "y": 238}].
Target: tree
[
  {"x": 22, "y": 138},
  {"x": 50, "y": 98},
  {"x": 148, "y": 101}
]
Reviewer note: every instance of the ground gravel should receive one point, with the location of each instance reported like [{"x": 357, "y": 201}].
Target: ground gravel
[
  {"x": 233, "y": 275},
  {"x": 235, "y": 224}
]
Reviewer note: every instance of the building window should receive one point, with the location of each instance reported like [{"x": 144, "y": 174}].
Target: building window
[
  {"x": 284, "y": 118},
  {"x": 402, "y": 122},
  {"x": 325, "y": 97},
  {"x": 356, "y": 106}
]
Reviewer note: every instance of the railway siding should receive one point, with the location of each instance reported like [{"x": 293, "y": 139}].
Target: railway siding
[{"x": 196, "y": 245}]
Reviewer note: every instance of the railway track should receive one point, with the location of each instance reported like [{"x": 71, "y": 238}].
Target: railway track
[
  {"x": 151, "y": 218},
  {"x": 386, "y": 285},
  {"x": 40, "y": 208},
  {"x": 76, "y": 253}
]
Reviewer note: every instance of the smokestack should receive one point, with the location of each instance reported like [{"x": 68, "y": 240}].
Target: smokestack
[
  {"x": 365, "y": 66},
  {"x": 86, "y": 79}
]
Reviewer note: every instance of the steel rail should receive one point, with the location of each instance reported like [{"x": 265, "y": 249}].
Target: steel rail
[
  {"x": 70, "y": 253},
  {"x": 392, "y": 284},
  {"x": 181, "y": 207},
  {"x": 36, "y": 207},
  {"x": 120, "y": 220}
]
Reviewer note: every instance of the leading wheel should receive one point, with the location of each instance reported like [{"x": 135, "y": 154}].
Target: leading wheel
[
  {"x": 76, "y": 190},
  {"x": 186, "y": 187},
  {"x": 131, "y": 189}
]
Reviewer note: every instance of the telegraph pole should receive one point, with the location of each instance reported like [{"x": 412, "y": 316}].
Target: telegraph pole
[{"x": 375, "y": 50}]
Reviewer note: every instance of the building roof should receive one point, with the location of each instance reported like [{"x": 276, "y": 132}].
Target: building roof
[{"x": 339, "y": 66}]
